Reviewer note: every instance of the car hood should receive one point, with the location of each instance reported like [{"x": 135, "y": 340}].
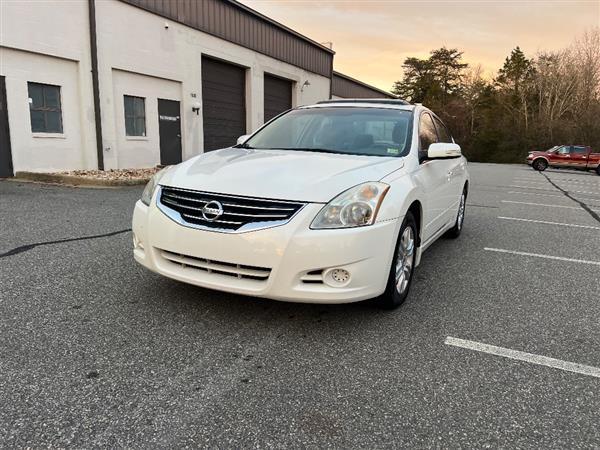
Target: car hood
[{"x": 278, "y": 174}]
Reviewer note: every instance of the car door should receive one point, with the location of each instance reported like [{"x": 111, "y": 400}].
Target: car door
[
  {"x": 432, "y": 178},
  {"x": 579, "y": 156},
  {"x": 562, "y": 157},
  {"x": 456, "y": 172}
]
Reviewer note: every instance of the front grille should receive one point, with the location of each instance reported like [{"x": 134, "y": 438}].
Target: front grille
[
  {"x": 238, "y": 211},
  {"x": 218, "y": 267}
]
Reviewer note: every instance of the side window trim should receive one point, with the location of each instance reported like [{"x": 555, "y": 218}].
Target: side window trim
[
  {"x": 437, "y": 122},
  {"x": 426, "y": 113}
]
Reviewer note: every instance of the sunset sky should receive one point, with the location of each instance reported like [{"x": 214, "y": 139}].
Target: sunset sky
[{"x": 373, "y": 37}]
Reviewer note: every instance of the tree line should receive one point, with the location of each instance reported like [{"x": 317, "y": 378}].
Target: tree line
[{"x": 531, "y": 103}]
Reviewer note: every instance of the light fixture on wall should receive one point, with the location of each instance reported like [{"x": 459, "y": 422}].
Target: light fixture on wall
[
  {"x": 196, "y": 107},
  {"x": 305, "y": 84}
]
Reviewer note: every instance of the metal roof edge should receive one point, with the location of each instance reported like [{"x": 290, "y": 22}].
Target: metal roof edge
[
  {"x": 362, "y": 83},
  {"x": 280, "y": 25}
]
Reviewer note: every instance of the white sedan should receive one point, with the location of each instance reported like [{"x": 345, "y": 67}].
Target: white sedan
[{"x": 328, "y": 203}]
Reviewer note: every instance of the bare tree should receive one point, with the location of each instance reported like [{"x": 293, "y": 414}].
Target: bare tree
[
  {"x": 474, "y": 86},
  {"x": 555, "y": 82},
  {"x": 586, "y": 57}
]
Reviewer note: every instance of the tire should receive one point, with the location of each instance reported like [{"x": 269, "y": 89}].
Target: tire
[
  {"x": 402, "y": 267},
  {"x": 540, "y": 165},
  {"x": 454, "y": 232},
  {"x": 598, "y": 169}
]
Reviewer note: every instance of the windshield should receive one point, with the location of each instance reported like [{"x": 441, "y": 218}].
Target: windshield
[{"x": 351, "y": 130}]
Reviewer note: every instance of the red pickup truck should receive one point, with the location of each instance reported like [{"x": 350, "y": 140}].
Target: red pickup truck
[{"x": 577, "y": 157}]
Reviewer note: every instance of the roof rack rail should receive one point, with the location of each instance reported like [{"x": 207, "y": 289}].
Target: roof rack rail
[{"x": 386, "y": 101}]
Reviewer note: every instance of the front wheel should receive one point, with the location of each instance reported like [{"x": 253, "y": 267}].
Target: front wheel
[
  {"x": 403, "y": 265},
  {"x": 598, "y": 169},
  {"x": 540, "y": 165},
  {"x": 454, "y": 232}
]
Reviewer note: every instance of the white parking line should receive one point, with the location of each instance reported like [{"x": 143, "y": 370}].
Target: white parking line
[
  {"x": 535, "y": 193},
  {"x": 590, "y": 227},
  {"x": 524, "y": 356},
  {"x": 530, "y": 183},
  {"x": 557, "y": 180},
  {"x": 552, "y": 190},
  {"x": 545, "y": 205},
  {"x": 550, "y": 195},
  {"x": 541, "y": 204},
  {"x": 529, "y": 187},
  {"x": 537, "y": 255}
]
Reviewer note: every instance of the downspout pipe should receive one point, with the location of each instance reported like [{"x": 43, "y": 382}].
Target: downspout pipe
[{"x": 95, "y": 83}]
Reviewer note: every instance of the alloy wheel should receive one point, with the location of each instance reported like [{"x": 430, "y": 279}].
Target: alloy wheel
[{"x": 405, "y": 259}]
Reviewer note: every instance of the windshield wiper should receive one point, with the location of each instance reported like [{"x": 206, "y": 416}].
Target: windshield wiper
[
  {"x": 245, "y": 146},
  {"x": 318, "y": 150}
]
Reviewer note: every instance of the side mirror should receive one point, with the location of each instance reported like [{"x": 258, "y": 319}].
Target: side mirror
[
  {"x": 443, "y": 150},
  {"x": 242, "y": 139}
]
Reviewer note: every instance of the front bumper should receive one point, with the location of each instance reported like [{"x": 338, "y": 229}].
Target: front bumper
[{"x": 295, "y": 259}]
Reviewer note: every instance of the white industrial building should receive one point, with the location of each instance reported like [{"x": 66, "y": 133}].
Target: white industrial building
[{"x": 89, "y": 84}]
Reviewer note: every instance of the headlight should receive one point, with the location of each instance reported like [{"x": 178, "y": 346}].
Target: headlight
[
  {"x": 356, "y": 207},
  {"x": 151, "y": 186}
]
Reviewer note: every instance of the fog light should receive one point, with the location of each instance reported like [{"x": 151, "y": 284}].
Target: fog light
[{"x": 337, "y": 277}]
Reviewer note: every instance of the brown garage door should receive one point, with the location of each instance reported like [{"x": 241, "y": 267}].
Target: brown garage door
[
  {"x": 278, "y": 96},
  {"x": 223, "y": 103}
]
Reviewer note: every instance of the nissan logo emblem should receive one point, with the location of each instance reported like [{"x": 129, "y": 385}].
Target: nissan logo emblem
[{"x": 212, "y": 210}]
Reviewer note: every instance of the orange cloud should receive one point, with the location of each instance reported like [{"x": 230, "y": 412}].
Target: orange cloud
[{"x": 372, "y": 38}]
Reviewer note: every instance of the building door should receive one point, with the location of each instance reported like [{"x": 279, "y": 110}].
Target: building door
[
  {"x": 278, "y": 96},
  {"x": 169, "y": 128},
  {"x": 6, "y": 167},
  {"x": 223, "y": 103}
]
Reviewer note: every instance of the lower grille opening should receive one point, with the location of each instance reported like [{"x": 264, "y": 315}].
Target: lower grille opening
[
  {"x": 313, "y": 277},
  {"x": 233, "y": 270}
]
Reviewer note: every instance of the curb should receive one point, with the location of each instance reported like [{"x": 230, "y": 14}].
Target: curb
[{"x": 73, "y": 180}]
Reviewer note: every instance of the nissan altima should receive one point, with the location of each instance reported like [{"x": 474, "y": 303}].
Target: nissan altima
[{"x": 328, "y": 203}]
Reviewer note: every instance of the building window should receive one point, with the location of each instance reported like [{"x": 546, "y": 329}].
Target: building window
[
  {"x": 44, "y": 108},
  {"x": 135, "y": 116}
]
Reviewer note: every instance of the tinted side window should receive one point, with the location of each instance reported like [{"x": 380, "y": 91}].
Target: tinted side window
[
  {"x": 443, "y": 133},
  {"x": 579, "y": 149},
  {"x": 427, "y": 133}
]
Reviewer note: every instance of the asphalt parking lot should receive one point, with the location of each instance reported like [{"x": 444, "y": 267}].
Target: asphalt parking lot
[{"x": 97, "y": 352}]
